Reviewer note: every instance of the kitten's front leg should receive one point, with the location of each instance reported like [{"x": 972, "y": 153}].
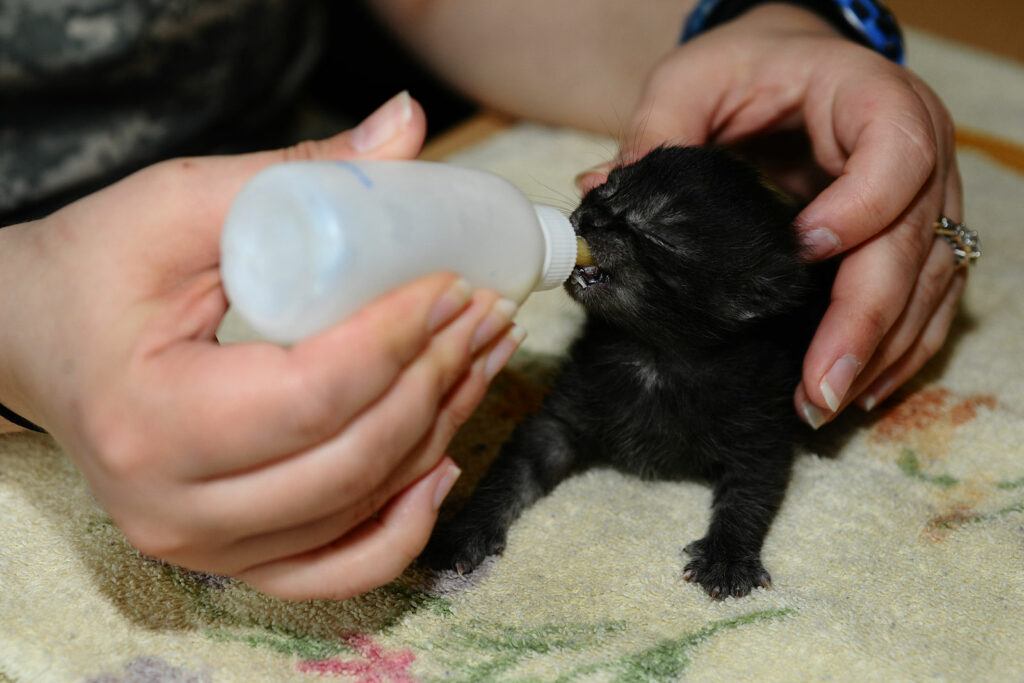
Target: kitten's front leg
[
  {"x": 533, "y": 461},
  {"x": 727, "y": 561}
]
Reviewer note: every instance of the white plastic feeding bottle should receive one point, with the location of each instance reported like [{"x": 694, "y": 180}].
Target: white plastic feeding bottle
[{"x": 307, "y": 244}]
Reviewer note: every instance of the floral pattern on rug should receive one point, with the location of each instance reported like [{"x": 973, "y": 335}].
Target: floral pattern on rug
[
  {"x": 153, "y": 670},
  {"x": 928, "y": 417},
  {"x": 484, "y": 651},
  {"x": 922, "y": 425}
]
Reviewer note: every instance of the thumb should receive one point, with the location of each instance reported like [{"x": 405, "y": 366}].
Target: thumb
[
  {"x": 676, "y": 107},
  {"x": 394, "y": 131}
]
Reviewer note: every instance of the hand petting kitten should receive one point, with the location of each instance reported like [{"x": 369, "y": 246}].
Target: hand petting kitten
[{"x": 877, "y": 166}]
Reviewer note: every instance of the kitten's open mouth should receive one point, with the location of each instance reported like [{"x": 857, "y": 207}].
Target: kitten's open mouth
[{"x": 585, "y": 276}]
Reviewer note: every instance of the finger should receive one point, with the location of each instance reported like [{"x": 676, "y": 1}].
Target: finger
[
  {"x": 869, "y": 294},
  {"x": 457, "y": 408},
  {"x": 892, "y": 150},
  {"x": 238, "y": 406},
  {"x": 891, "y": 377},
  {"x": 348, "y": 471},
  {"x": 946, "y": 138},
  {"x": 931, "y": 340},
  {"x": 929, "y": 290},
  {"x": 591, "y": 178},
  {"x": 954, "y": 203},
  {"x": 937, "y": 272},
  {"x": 676, "y": 107},
  {"x": 372, "y": 555}
]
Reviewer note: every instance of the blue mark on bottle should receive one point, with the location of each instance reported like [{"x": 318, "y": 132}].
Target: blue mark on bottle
[{"x": 360, "y": 175}]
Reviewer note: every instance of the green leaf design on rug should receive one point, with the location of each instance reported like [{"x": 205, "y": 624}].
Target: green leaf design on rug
[
  {"x": 284, "y": 641},
  {"x": 667, "y": 659},
  {"x": 911, "y": 467},
  {"x": 1009, "y": 485},
  {"x": 417, "y": 599},
  {"x": 509, "y": 645},
  {"x": 290, "y": 641},
  {"x": 956, "y": 520}
]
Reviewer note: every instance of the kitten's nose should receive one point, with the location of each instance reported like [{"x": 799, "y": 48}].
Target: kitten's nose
[{"x": 575, "y": 219}]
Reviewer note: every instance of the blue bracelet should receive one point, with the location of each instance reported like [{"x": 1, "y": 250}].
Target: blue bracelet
[{"x": 868, "y": 22}]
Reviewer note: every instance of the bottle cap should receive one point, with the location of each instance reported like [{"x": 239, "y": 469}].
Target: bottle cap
[{"x": 560, "y": 246}]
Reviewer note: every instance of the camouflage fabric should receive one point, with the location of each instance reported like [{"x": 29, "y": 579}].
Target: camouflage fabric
[{"x": 92, "y": 89}]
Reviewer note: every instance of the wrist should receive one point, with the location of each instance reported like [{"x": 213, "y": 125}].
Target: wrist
[
  {"x": 14, "y": 252},
  {"x": 787, "y": 18},
  {"x": 868, "y": 23}
]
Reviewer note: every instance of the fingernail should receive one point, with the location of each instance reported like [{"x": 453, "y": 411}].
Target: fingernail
[
  {"x": 812, "y": 415},
  {"x": 451, "y": 302},
  {"x": 819, "y": 243},
  {"x": 497, "y": 319},
  {"x": 445, "y": 484},
  {"x": 384, "y": 124},
  {"x": 870, "y": 400},
  {"x": 501, "y": 353},
  {"x": 837, "y": 381}
]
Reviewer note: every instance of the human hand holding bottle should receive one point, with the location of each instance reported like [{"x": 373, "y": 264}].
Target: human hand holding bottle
[{"x": 313, "y": 471}]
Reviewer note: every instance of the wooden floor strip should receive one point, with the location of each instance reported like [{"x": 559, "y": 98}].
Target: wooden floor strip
[
  {"x": 483, "y": 125},
  {"x": 466, "y": 134},
  {"x": 1003, "y": 151}
]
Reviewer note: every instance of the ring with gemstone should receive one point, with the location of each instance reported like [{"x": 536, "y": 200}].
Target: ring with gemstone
[{"x": 965, "y": 243}]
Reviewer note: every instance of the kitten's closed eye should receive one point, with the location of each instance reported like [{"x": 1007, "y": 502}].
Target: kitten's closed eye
[{"x": 659, "y": 242}]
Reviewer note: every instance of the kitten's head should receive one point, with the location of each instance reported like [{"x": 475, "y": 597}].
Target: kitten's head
[{"x": 690, "y": 241}]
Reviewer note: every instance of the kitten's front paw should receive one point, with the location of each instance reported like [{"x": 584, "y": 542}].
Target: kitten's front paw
[
  {"x": 453, "y": 546},
  {"x": 721, "y": 577}
]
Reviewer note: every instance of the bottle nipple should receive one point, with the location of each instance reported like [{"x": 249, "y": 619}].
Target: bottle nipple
[{"x": 583, "y": 256}]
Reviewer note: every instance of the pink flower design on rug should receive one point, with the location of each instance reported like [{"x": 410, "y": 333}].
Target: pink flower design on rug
[{"x": 377, "y": 666}]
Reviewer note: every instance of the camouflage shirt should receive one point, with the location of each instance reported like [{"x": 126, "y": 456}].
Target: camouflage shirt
[{"x": 91, "y": 89}]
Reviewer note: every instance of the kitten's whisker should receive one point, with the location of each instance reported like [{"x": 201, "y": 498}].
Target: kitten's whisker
[
  {"x": 556, "y": 202},
  {"x": 572, "y": 201},
  {"x": 615, "y": 134},
  {"x": 632, "y": 146}
]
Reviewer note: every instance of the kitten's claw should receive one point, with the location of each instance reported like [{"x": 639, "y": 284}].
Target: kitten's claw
[
  {"x": 724, "y": 577},
  {"x": 453, "y": 547}
]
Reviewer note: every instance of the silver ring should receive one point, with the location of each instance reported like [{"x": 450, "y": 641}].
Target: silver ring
[{"x": 966, "y": 243}]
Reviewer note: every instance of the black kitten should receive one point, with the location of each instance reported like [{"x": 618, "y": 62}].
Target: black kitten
[{"x": 699, "y": 311}]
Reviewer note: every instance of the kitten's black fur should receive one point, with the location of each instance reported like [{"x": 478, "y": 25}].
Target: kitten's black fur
[{"x": 699, "y": 311}]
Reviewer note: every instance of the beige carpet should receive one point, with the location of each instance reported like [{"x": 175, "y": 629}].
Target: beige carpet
[{"x": 898, "y": 555}]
